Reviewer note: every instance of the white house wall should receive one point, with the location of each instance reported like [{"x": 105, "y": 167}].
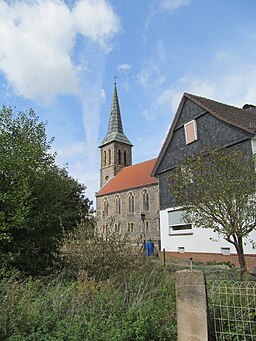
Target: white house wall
[
  {"x": 198, "y": 241},
  {"x": 253, "y": 145}
]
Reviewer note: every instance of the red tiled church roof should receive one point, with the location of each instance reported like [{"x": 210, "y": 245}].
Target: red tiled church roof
[{"x": 138, "y": 175}]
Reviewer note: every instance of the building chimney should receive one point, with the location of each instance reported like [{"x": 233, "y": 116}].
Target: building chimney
[{"x": 250, "y": 107}]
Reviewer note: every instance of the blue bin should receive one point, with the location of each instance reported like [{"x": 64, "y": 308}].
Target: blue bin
[{"x": 149, "y": 246}]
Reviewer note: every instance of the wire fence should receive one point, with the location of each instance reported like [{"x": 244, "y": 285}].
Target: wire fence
[{"x": 232, "y": 310}]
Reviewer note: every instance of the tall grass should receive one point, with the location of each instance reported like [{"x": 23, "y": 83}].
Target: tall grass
[{"x": 139, "y": 305}]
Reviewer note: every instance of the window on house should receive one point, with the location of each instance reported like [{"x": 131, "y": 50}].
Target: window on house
[
  {"x": 180, "y": 229},
  {"x": 125, "y": 159},
  {"x": 181, "y": 249},
  {"x": 117, "y": 205},
  {"x": 105, "y": 208},
  {"x": 130, "y": 203},
  {"x": 176, "y": 224},
  {"x": 119, "y": 156},
  {"x": 190, "y": 131},
  {"x": 225, "y": 251},
  {"x": 109, "y": 157}
]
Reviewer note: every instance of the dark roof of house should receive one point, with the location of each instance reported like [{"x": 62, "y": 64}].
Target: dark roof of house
[
  {"x": 241, "y": 118},
  {"x": 115, "y": 128},
  {"x": 138, "y": 175},
  {"x": 244, "y": 119}
]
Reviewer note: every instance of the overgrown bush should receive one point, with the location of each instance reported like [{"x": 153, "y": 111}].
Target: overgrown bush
[
  {"x": 138, "y": 306},
  {"x": 99, "y": 256}
]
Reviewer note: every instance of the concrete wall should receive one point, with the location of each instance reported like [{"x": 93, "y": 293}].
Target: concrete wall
[{"x": 191, "y": 306}]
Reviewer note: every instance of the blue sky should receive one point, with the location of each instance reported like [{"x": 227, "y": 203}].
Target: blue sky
[{"x": 60, "y": 57}]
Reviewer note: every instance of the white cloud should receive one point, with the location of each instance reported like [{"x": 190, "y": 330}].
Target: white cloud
[
  {"x": 75, "y": 149},
  {"x": 231, "y": 88},
  {"x": 124, "y": 70},
  {"x": 95, "y": 19},
  {"x": 149, "y": 115},
  {"x": 124, "y": 67},
  {"x": 222, "y": 56},
  {"x": 102, "y": 95},
  {"x": 169, "y": 97},
  {"x": 38, "y": 43},
  {"x": 150, "y": 75},
  {"x": 37, "y": 40},
  {"x": 171, "y": 5}
]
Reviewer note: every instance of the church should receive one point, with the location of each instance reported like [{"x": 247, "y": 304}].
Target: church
[{"x": 128, "y": 199}]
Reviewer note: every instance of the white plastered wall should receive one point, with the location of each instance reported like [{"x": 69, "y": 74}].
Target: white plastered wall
[
  {"x": 253, "y": 142},
  {"x": 199, "y": 240}
]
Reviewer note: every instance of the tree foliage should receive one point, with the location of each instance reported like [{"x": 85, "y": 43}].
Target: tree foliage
[
  {"x": 217, "y": 191},
  {"x": 39, "y": 202}
]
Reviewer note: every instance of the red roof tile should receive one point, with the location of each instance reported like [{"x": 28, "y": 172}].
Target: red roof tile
[{"x": 138, "y": 175}]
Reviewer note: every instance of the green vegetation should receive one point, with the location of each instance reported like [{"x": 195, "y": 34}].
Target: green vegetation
[
  {"x": 60, "y": 279},
  {"x": 139, "y": 305},
  {"x": 99, "y": 256},
  {"x": 231, "y": 310},
  {"x": 39, "y": 202},
  {"x": 217, "y": 191}
]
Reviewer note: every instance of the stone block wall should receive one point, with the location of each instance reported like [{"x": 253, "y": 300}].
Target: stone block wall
[{"x": 139, "y": 231}]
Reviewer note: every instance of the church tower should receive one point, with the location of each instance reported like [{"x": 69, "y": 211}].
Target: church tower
[{"x": 115, "y": 149}]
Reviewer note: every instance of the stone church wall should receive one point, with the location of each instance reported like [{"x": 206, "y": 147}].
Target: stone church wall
[{"x": 131, "y": 222}]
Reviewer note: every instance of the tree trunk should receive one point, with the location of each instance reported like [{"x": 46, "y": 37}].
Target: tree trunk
[{"x": 240, "y": 255}]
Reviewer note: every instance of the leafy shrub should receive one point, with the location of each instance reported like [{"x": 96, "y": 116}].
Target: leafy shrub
[
  {"x": 138, "y": 306},
  {"x": 99, "y": 256}
]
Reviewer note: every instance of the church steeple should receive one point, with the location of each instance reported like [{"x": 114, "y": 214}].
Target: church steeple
[
  {"x": 116, "y": 149},
  {"x": 115, "y": 127}
]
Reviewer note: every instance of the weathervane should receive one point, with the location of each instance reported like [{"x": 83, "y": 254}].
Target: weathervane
[{"x": 115, "y": 78}]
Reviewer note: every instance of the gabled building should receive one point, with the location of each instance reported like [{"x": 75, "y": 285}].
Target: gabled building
[
  {"x": 128, "y": 198},
  {"x": 200, "y": 124}
]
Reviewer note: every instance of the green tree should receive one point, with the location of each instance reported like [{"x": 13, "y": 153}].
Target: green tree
[
  {"x": 39, "y": 202},
  {"x": 217, "y": 191}
]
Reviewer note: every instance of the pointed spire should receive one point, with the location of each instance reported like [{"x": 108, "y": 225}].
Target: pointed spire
[
  {"x": 115, "y": 122},
  {"x": 115, "y": 127}
]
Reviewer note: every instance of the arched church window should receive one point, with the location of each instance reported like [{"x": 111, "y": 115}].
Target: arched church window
[
  {"x": 130, "y": 203},
  {"x": 118, "y": 205},
  {"x": 125, "y": 159},
  {"x": 105, "y": 158},
  {"x": 109, "y": 157},
  {"x": 145, "y": 201},
  {"x": 105, "y": 208},
  {"x": 119, "y": 156}
]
